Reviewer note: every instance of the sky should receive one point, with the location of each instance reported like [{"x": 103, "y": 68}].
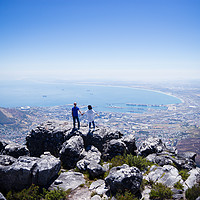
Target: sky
[{"x": 100, "y": 39}]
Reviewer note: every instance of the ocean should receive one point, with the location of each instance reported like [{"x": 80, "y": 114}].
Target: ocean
[{"x": 102, "y": 98}]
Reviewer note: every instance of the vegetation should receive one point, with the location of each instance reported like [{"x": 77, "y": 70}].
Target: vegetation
[
  {"x": 160, "y": 192},
  {"x": 136, "y": 161},
  {"x": 126, "y": 196},
  {"x": 178, "y": 186},
  {"x": 184, "y": 174},
  {"x": 33, "y": 193},
  {"x": 58, "y": 194},
  {"x": 193, "y": 192}
]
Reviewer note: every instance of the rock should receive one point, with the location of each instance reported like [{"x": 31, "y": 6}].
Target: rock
[
  {"x": 114, "y": 148},
  {"x": 107, "y": 166},
  {"x": 177, "y": 194},
  {"x": 96, "y": 197},
  {"x": 71, "y": 151},
  {"x": 16, "y": 150},
  {"x": 95, "y": 170},
  {"x": 163, "y": 160},
  {"x": 27, "y": 170},
  {"x": 68, "y": 180},
  {"x": 188, "y": 155},
  {"x": 193, "y": 179},
  {"x": 150, "y": 146},
  {"x": 123, "y": 178},
  {"x": 4, "y": 143},
  {"x": 100, "y": 137},
  {"x": 99, "y": 187},
  {"x": 82, "y": 164},
  {"x": 48, "y": 137},
  {"x": 129, "y": 141},
  {"x": 93, "y": 155},
  {"x": 2, "y": 197},
  {"x": 81, "y": 193},
  {"x": 7, "y": 160},
  {"x": 145, "y": 193},
  {"x": 46, "y": 170},
  {"x": 167, "y": 175}
]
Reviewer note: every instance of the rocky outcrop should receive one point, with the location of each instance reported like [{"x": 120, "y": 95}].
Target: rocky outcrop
[
  {"x": 85, "y": 151},
  {"x": 124, "y": 178},
  {"x": 71, "y": 151},
  {"x": 22, "y": 172}
]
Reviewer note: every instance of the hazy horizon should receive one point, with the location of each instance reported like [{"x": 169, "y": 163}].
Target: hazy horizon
[{"x": 130, "y": 40}]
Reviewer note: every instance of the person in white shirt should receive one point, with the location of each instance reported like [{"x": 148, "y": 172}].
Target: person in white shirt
[{"x": 90, "y": 116}]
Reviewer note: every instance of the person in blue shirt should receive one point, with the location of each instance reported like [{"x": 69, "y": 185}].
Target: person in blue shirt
[{"x": 75, "y": 117}]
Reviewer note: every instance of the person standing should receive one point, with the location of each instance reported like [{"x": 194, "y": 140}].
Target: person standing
[
  {"x": 90, "y": 115},
  {"x": 75, "y": 117}
]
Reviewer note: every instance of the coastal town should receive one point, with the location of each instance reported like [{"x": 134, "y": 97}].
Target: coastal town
[{"x": 172, "y": 125}]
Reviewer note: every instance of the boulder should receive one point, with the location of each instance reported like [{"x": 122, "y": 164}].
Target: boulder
[
  {"x": 46, "y": 170},
  {"x": 7, "y": 160},
  {"x": 150, "y": 146},
  {"x": 71, "y": 152},
  {"x": 160, "y": 160},
  {"x": 100, "y": 137},
  {"x": 129, "y": 141},
  {"x": 49, "y": 136},
  {"x": 114, "y": 148},
  {"x": 16, "y": 150},
  {"x": 124, "y": 178},
  {"x": 187, "y": 155},
  {"x": 93, "y": 155},
  {"x": 193, "y": 179},
  {"x": 167, "y": 175},
  {"x": 95, "y": 170},
  {"x": 68, "y": 180},
  {"x": 28, "y": 170},
  {"x": 3, "y": 144}
]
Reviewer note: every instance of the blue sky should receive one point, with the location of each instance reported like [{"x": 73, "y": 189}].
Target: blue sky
[{"x": 100, "y": 39}]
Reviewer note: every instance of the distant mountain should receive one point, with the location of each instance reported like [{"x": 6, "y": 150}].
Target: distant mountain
[{"x": 6, "y": 117}]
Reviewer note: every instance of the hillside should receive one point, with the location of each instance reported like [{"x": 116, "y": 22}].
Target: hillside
[{"x": 6, "y": 117}]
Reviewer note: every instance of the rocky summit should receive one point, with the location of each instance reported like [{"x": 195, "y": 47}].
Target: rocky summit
[{"x": 55, "y": 155}]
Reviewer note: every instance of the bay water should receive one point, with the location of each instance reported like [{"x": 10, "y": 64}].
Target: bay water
[{"x": 102, "y": 98}]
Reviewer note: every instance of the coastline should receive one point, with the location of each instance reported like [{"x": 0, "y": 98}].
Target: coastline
[{"x": 133, "y": 87}]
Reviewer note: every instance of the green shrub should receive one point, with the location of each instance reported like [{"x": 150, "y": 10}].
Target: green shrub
[
  {"x": 160, "y": 192},
  {"x": 193, "y": 192},
  {"x": 126, "y": 196},
  {"x": 136, "y": 161},
  {"x": 57, "y": 194},
  {"x": 33, "y": 193},
  {"x": 184, "y": 174},
  {"x": 117, "y": 161},
  {"x": 178, "y": 186}
]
